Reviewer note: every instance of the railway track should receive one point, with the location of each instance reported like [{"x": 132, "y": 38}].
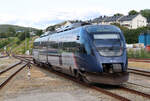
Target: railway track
[
  {"x": 7, "y": 74},
  {"x": 3, "y": 56},
  {"x": 138, "y": 85},
  {"x": 103, "y": 90},
  {"x": 134, "y": 71},
  {"x": 135, "y": 92},
  {"x": 29, "y": 57},
  {"x": 25, "y": 59},
  {"x": 139, "y": 60},
  {"x": 100, "y": 89},
  {"x": 139, "y": 72}
]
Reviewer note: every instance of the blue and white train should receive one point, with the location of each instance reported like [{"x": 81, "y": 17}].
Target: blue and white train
[{"x": 93, "y": 53}]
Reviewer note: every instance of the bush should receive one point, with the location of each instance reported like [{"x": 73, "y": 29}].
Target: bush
[
  {"x": 131, "y": 35},
  {"x": 23, "y": 35},
  {"x": 4, "y": 43}
]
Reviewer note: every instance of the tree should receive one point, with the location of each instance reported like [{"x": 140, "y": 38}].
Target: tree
[
  {"x": 133, "y": 12},
  {"x": 39, "y": 32},
  {"x": 131, "y": 35},
  {"x": 51, "y": 28},
  {"x": 23, "y": 35},
  {"x": 4, "y": 35},
  {"x": 146, "y": 13},
  {"x": 118, "y": 14},
  {"x": 121, "y": 27},
  {"x": 11, "y": 32}
]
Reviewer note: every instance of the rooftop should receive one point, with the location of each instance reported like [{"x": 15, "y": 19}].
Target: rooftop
[{"x": 127, "y": 18}]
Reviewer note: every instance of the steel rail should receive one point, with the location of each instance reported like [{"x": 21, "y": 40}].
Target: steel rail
[
  {"x": 139, "y": 73},
  {"x": 87, "y": 85},
  {"x": 116, "y": 96},
  {"x": 101, "y": 89},
  {"x": 135, "y": 92},
  {"x": 10, "y": 67},
  {"x": 11, "y": 76},
  {"x": 138, "y": 85},
  {"x": 3, "y": 56},
  {"x": 143, "y": 71}
]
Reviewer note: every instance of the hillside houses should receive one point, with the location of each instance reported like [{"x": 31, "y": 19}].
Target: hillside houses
[{"x": 130, "y": 21}]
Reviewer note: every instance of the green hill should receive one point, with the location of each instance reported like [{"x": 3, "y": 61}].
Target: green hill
[{"x": 5, "y": 28}]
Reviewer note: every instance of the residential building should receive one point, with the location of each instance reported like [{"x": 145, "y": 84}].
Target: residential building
[
  {"x": 130, "y": 21},
  {"x": 112, "y": 19},
  {"x": 133, "y": 21}
]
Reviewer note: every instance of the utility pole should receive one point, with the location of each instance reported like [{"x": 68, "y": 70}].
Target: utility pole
[
  {"x": 29, "y": 39},
  {"x": 25, "y": 43}
]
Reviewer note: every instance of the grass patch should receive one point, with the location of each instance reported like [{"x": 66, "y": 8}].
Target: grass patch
[
  {"x": 17, "y": 46},
  {"x": 138, "y": 54}
]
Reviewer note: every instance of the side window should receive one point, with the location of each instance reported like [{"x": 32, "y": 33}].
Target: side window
[
  {"x": 34, "y": 44},
  {"x": 73, "y": 47},
  {"x": 81, "y": 49},
  {"x": 49, "y": 44}
]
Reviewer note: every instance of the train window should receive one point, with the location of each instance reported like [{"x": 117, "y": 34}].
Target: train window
[
  {"x": 72, "y": 47},
  {"x": 82, "y": 49},
  {"x": 106, "y": 36},
  {"x": 54, "y": 45}
]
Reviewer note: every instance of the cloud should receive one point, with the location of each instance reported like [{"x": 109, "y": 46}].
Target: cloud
[{"x": 44, "y": 19}]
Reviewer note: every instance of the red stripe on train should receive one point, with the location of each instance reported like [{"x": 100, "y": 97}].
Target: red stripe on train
[{"x": 75, "y": 60}]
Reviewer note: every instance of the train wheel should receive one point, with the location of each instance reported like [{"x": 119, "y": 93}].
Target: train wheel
[
  {"x": 78, "y": 75},
  {"x": 84, "y": 79},
  {"x": 34, "y": 61},
  {"x": 41, "y": 64}
]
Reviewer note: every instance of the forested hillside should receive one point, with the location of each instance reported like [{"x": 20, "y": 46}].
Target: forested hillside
[
  {"x": 5, "y": 28},
  {"x": 14, "y": 38}
]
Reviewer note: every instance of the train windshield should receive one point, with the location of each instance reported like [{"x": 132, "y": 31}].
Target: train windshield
[
  {"x": 106, "y": 36},
  {"x": 107, "y": 39},
  {"x": 102, "y": 28},
  {"x": 108, "y": 44}
]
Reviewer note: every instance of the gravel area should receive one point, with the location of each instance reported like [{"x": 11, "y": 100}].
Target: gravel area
[
  {"x": 141, "y": 80},
  {"x": 139, "y": 65},
  {"x": 7, "y": 61},
  {"x": 131, "y": 96},
  {"x": 45, "y": 86},
  {"x": 7, "y": 74}
]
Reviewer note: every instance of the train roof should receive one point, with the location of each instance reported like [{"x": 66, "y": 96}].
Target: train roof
[
  {"x": 41, "y": 39},
  {"x": 94, "y": 28},
  {"x": 101, "y": 28},
  {"x": 88, "y": 28}
]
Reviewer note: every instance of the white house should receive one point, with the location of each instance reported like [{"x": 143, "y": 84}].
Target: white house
[{"x": 133, "y": 21}]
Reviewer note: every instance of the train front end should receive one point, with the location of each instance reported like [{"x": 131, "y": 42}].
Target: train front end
[{"x": 108, "y": 45}]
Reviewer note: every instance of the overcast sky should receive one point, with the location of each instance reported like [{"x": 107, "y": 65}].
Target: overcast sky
[{"x": 42, "y": 13}]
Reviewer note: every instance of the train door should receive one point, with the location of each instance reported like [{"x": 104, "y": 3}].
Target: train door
[
  {"x": 43, "y": 52},
  {"x": 35, "y": 51},
  {"x": 52, "y": 52}
]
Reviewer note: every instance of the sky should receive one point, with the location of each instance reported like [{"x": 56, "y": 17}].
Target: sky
[{"x": 43, "y": 13}]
